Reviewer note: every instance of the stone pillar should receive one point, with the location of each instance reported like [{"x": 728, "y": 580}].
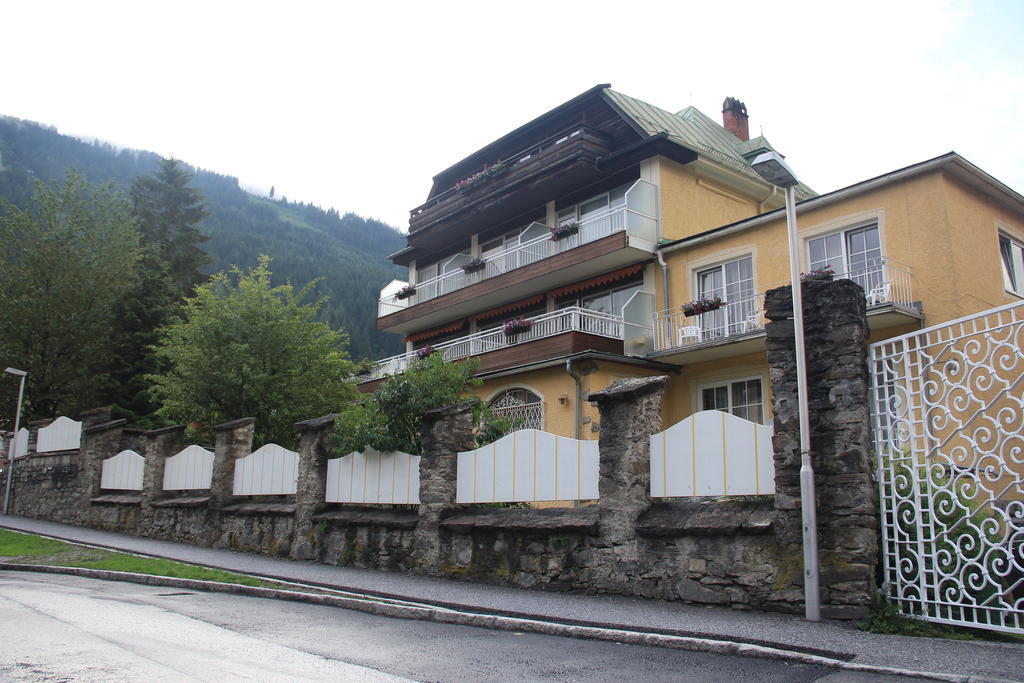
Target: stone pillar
[
  {"x": 445, "y": 432},
  {"x": 836, "y": 331},
  {"x": 314, "y": 451},
  {"x": 232, "y": 440},
  {"x": 99, "y": 442},
  {"x": 158, "y": 445},
  {"x": 95, "y": 416},
  {"x": 630, "y": 413}
]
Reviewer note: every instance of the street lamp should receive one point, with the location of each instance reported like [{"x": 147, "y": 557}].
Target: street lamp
[
  {"x": 14, "y": 440},
  {"x": 774, "y": 169}
]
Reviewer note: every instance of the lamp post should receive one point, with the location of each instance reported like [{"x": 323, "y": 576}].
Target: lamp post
[
  {"x": 14, "y": 440},
  {"x": 774, "y": 169}
]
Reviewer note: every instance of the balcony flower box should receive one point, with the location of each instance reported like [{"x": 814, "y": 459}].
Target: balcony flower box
[
  {"x": 405, "y": 292},
  {"x": 515, "y": 326},
  {"x": 473, "y": 265},
  {"x": 481, "y": 177},
  {"x": 564, "y": 230},
  {"x": 425, "y": 352},
  {"x": 824, "y": 273},
  {"x": 703, "y": 305}
]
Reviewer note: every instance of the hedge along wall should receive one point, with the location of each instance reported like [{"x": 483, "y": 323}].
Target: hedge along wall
[{"x": 742, "y": 551}]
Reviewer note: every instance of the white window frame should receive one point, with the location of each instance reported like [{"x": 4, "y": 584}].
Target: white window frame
[
  {"x": 727, "y": 383},
  {"x": 733, "y": 318},
  {"x": 608, "y": 208},
  {"x": 845, "y": 232},
  {"x": 1015, "y": 269}
]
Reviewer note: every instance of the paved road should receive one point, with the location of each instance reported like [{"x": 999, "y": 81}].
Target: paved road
[{"x": 56, "y": 627}]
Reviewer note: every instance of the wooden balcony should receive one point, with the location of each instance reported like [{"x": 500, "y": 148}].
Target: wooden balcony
[
  {"x": 569, "y": 330},
  {"x": 549, "y": 169}
]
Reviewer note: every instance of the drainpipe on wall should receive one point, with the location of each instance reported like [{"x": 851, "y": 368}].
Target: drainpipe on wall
[
  {"x": 664, "y": 280},
  {"x": 760, "y": 205},
  {"x": 664, "y": 332},
  {"x": 579, "y": 396}
]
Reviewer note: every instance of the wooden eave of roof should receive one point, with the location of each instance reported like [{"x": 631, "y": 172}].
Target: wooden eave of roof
[{"x": 442, "y": 181}]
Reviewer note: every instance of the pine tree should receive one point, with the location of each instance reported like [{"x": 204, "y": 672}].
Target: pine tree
[{"x": 168, "y": 211}]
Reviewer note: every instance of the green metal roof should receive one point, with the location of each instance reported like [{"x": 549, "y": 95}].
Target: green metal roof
[{"x": 694, "y": 130}]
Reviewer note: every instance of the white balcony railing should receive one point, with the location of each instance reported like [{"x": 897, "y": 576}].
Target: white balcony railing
[
  {"x": 573, "y": 319},
  {"x": 637, "y": 217},
  {"x": 885, "y": 282},
  {"x": 738, "y": 316}
]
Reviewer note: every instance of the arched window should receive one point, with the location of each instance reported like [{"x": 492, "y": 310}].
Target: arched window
[{"x": 522, "y": 407}]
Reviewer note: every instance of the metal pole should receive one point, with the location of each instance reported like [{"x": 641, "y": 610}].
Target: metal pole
[
  {"x": 812, "y": 608},
  {"x": 14, "y": 448}
]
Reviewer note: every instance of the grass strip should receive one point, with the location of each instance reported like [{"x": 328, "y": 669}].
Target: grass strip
[{"x": 25, "y": 548}]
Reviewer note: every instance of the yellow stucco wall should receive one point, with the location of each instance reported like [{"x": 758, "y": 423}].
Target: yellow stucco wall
[
  {"x": 690, "y": 204},
  {"x": 945, "y": 232},
  {"x": 552, "y": 383}
]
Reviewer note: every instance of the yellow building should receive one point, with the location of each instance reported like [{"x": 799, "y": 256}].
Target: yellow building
[{"x": 564, "y": 253}]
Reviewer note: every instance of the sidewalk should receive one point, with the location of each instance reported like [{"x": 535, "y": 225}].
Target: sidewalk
[{"x": 833, "y": 639}]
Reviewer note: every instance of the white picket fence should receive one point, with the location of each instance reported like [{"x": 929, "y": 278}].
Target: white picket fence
[
  {"x": 62, "y": 434},
  {"x": 712, "y": 453},
  {"x": 123, "y": 472},
  {"x": 21, "y": 448},
  {"x": 270, "y": 470},
  {"x": 192, "y": 468},
  {"x": 373, "y": 476},
  {"x": 526, "y": 466}
]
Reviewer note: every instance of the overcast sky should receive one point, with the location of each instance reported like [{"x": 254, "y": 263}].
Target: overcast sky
[{"x": 358, "y": 107}]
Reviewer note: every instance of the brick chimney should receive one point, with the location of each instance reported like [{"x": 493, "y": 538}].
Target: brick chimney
[{"x": 734, "y": 118}]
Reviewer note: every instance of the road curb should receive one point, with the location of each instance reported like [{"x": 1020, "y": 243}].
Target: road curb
[{"x": 393, "y": 608}]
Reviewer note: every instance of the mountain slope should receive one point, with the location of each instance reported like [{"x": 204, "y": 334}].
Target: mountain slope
[{"x": 347, "y": 251}]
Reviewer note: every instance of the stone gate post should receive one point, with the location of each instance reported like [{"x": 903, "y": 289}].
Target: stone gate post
[
  {"x": 232, "y": 440},
  {"x": 445, "y": 432},
  {"x": 630, "y": 413},
  {"x": 314, "y": 450},
  {"x": 836, "y": 331},
  {"x": 158, "y": 445}
]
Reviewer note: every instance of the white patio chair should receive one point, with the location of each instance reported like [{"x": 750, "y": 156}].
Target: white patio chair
[
  {"x": 880, "y": 294},
  {"x": 689, "y": 332},
  {"x": 753, "y": 322}
]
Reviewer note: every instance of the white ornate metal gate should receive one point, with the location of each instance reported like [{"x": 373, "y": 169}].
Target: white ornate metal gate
[{"x": 948, "y": 412}]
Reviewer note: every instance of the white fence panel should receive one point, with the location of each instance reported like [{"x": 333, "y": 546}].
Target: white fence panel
[
  {"x": 528, "y": 465},
  {"x": 192, "y": 468},
  {"x": 712, "y": 453},
  {"x": 21, "y": 448},
  {"x": 62, "y": 434},
  {"x": 123, "y": 472},
  {"x": 271, "y": 470},
  {"x": 373, "y": 476}
]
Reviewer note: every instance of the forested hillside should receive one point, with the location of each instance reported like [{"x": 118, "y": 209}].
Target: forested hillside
[{"x": 305, "y": 242}]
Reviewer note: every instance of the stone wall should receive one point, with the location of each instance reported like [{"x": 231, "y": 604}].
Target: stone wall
[{"x": 743, "y": 551}]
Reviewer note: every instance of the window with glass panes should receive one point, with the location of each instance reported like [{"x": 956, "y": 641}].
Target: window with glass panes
[
  {"x": 1012, "y": 254},
  {"x": 855, "y": 254},
  {"x": 733, "y": 282},
  {"x": 597, "y": 215},
  {"x": 742, "y": 398}
]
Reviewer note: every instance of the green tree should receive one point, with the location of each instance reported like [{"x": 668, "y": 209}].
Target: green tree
[
  {"x": 67, "y": 261},
  {"x": 246, "y": 349},
  {"x": 389, "y": 419},
  {"x": 168, "y": 210}
]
